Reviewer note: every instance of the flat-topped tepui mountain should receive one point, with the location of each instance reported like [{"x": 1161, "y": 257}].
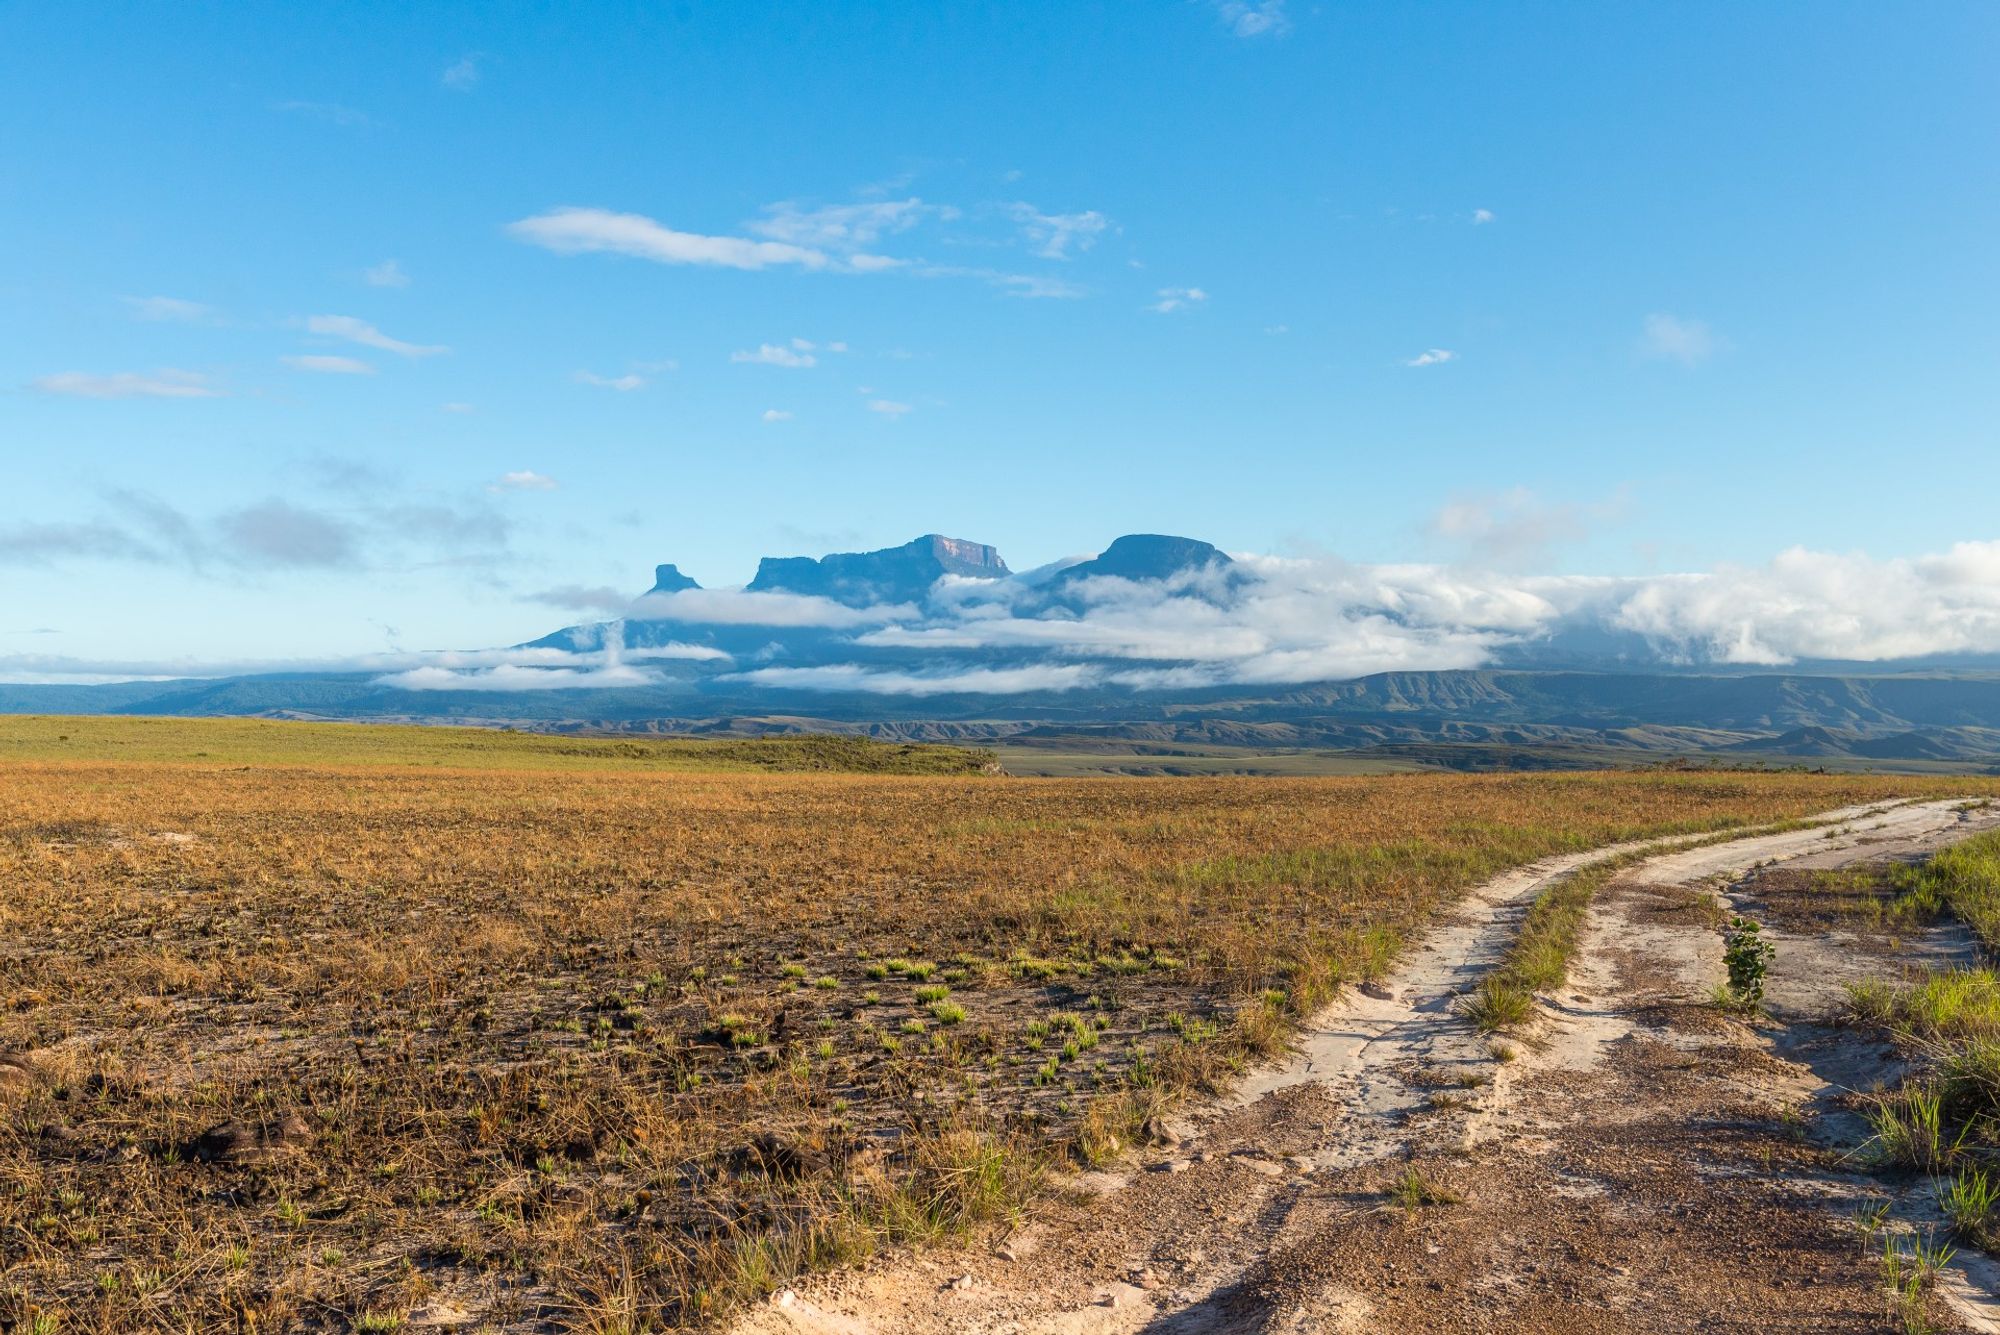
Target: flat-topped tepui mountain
[
  {"x": 893, "y": 575},
  {"x": 1157, "y": 640}
]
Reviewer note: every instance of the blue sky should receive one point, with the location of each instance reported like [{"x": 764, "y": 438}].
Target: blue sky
[{"x": 301, "y": 357}]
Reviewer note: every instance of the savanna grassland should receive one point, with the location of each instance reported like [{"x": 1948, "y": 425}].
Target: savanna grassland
[{"x": 307, "y": 1027}]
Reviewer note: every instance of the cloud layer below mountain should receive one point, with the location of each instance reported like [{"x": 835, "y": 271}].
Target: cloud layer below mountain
[{"x": 1264, "y": 620}]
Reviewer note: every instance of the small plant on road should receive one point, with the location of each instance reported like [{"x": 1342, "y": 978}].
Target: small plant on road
[
  {"x": 1747, "y": 956},
  {"x": 1909, "y": 1268}
]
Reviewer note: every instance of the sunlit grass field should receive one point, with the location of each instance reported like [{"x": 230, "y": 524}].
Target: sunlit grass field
[
  {"x": 242, "y": 741},
  {"x": 300, "y": 1029}
]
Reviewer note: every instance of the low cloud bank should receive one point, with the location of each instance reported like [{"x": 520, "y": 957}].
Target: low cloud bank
[
  {"x": 1264, "y": 621},
  {"x": 610, "y": 666},
  {"x": 1276, "y": 621}
]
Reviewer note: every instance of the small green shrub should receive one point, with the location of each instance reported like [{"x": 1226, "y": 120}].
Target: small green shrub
[{"x": 1747, "y": 956}]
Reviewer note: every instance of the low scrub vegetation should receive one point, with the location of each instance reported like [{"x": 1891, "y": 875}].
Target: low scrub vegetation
[
  {"x": 311, "y": 1043},
  {"x": 1945, "y": 1120}
]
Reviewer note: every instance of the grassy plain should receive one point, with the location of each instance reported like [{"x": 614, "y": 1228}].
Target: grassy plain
[
  {"x": 295, "y": 1037},
  {"x": 249, "y": 741}
]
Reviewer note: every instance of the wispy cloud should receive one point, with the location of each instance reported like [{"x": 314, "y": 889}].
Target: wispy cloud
[
  {"x": 624, "y": 384},
  {"x": 1026, "y": 285},
  {"x": 1261, "y": 18},
  {"x": 524, "y": 480},
  {"x": 1517, "y": 528},
  {"x": 1173, "y": 299},
  {"x": 368, "y": 529},
  {"x": 456, "y": 407},
  {"x": 776, "y": 415},
  {"x": 1673, "y": 338},
  {"x": 609, "y": 667},
  {"x": 42, "y": 543},
  {"x": 170, "y": 310},
  {"x": 1432, "y": 357},
  {"x": 828, "y": 238},
  {"x": 843, "y": 227},
  {"x": 889, "y": 408},
  {"x": 577, "y": 598},
  {"x": 326, "y": 365},
  {"x": 360, "y": 331},
  {"x": 967, "y": 681},
  {"x": 1480, "y": 217},
  {"x": 1055, "y": 236},
  {"x": 773, "y": 354},
  {"x": 572, "y": 231},
  {"x": 462, "y": 75},
  {"x": 278, "y": 533},
  {"x": 162, "y": 384},
  {"x": 388, "y": 273}
]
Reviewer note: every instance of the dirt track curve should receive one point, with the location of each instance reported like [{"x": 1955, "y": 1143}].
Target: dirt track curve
[{"x": 1640, "y": 1162}]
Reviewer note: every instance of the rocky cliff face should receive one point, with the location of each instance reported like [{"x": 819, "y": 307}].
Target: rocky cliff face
[
  {"x": 893, "y": 575},
  {"x": 669, "y": 579}
]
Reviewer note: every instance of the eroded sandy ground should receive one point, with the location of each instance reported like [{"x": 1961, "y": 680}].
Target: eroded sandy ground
[{"x": 1640, "y": 1163}]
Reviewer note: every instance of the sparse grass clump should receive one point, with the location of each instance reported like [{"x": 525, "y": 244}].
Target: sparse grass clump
[
  {"x": 1948, "y": 1114},
  {"x": 1413, "y": 1190}
]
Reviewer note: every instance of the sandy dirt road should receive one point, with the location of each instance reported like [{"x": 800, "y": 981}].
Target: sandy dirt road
[{"x": 1637, "y": 1162}]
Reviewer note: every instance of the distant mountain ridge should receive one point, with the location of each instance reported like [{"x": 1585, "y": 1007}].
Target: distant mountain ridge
[
  {"x": 939, "y": 639},
  {"x": 887, "y": 577}
]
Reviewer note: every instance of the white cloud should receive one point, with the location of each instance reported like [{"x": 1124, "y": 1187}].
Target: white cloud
[
  {"x": 329, "y": 365},
  {"x": 170, "y": 310},
  {"x": 624, "y": 384},
  {"x": 1432, "y": 357},
  {"x": 611, "y": 667},
  {"x": 360, "y": 331},
  {"x": 774, "y": 354},
  {"x": 1671, "y": 338},
  {"x": 524, "y": 480},
  {"x": 386, "y": 274},
  {"x": 1808, "y": 604},
  {"x": 827, "y": 238},
  {"x": 1034, "y": 287},
  {"x": 457, "y": 407},
  {"x": 1055, "y": 235},
  {"x": 889, "y": 408},
  {"x": 1254, "y": 18},
  {"x": 1177, "y": 298},
  {"x": 164, "y": 384},
  {"x": 508, "y": 677},
  {"x": 776, "y": 415},
  {"x": 1480, "y": 217},
  {"x": 462, "y": 75},
  {"x": 972, "y": 681},
  {"x": 571, "y": 231},
  {"x": 843, "y": 227}
]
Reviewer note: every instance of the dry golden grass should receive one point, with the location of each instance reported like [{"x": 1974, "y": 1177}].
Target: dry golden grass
[{"x": 312, "y": 1047}]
